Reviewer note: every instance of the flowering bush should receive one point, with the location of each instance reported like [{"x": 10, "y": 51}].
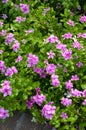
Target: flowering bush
[{"x": 43, "y": 63}]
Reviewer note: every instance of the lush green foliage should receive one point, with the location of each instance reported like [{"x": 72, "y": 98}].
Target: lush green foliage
[{"x": 44, "y": 19}]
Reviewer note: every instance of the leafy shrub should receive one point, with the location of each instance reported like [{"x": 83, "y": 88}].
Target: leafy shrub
[{"x": 42, "y": 62}]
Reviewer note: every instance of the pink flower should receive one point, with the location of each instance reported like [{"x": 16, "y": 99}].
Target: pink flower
[
  {"x": 67, "y": 35},
  {"x": 79, "y": 64},
  {"x": 83, "y": 19},
  {"x": 84, "y": 102},
  {"x": 29, "y": 103},
  {"x": 66, "y": 101},
  {"x": 4, "y": 1},
  {"x": 1, "y": 24},
  {"x": 4, "y": 16},
  {"x": 50, "y": 54},
  {"x": 69, "y": 85},
  {"x": 48, "y": 111},
  {"x": 3, "y": 33},
  {"x": 61, "y": 46},
  {"x": 20, "y": 19},
  {"x": 2, "y": 66},
  {"x": 16, "y": 46},
  {"x": 24, "y": 8},
  {"x": 50, "y": 69},
  {"x": 84, "y": 93},
  {"x": 75, "y": 93},
  {"x": 67, "y": 54},
  {"x": 64, "y": 115},
  {"x": 55, "y": 80},
  {"x": 52, "y": 39},
  {"x": 77, "y": 45},
  {"x": 19, "y": 58},
  {"x": 74, "y": 78},
  {"x": 4, "y": 113},
  {"x": 71, "y": 23},
  {"x": 6, "y": 89},
  {"x": 32, "y": 60},
  {"x": 1, "y": 51},
  {"x": 29, "y": 31},
  {"x": 9, "y": 38},
  {"x": 39, "y": 99}
]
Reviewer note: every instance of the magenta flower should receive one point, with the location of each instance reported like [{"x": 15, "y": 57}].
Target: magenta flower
[
  {"x": 32, "y": 60},
  {"x": 61, "y": 46},
  {"x": 29, "y": 31},
  {"x": 79, "y": 64},
  {"x": 84, "y": 102},
  {"x": 24, "y": 8},
  {"x": 1, "y": 51},
  {"x": 9, "y": 38},
  {"x": 4, "y": 113},
  {"x": 40, "y": 71},
  {"x": 69, "y": 85},
  {"x": 84, "y": 93},
  {"x": 4, "y": 1},
  {"x": 52, "y": 39},
  {"x": 83, "y": 19},
  {"x": 3, "y": 33},
  {"x": 75, "y": 93},
  {"x": 67, "y": 54},
  {"x": 29, "y": 103},
  {"x": 66, "y": 101},
  {"x": 77, "y": 45},
  {"x": 50, "y": 69},
  {"x": 74, "y": 78},
  {"x": 10, "y": 71},
  {"x": 16, "y": 46},
  {"x": 2, "y": 66},
  {"x": 55, "y": 80},
  {"x": 1, "y": 24},
  {"x": 48, "y": 111},
  {"x": 71, "y": 23},
  {"x": 19, "y": 58},
  {"x": 39, "y": 99},
  {"x": 50, "y": 54},
  {"x": 4, "y": 16},
  {"x": 64, "y": 115},
  {"x": 67, "y": 35},
  {"x": 20, "y": 19},
  {"x": 6, "y": 89}
]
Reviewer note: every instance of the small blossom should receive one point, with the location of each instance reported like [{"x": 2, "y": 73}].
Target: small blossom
[
  {"x": 67, "y": 35},
  {"x": 29, "y": 103},
  {"x": 69, "y": 85},
  {"x": 9, "y": 38},
  {"x": 3, "y": 33},
  {"x": 61, "y": 46},
  {"x": 75, "y": 93},
  {"x": 4, "y": 1},
  {"x": 66, "y": 101},
  {"x": 1, "y": 24},
  {"x": 67, "y": 54},
  {"x": 2, "y": 66},
  {"x": 64, "y": 115},
  {"x": 55, "y": 80},
  {"x": 1, "y": 52},
  {"x": 4, "y": 16},
  {"x": 79, "y": 64},
  {"x": 74, "y": 78},
  {"x": 19, "y": 58},
  {"x": 84, "y": 93},
  {"x": 46, "y": 10},
  {"x": 50, "y": 69},
  {"x": 16, "y": 46},
  {"x": 84, "y": 102},
  {"x": 32, "y": 60},
  {"x": 50, "y": 54},
  {"x": 48, "y": 111},
  {"x": 52, "y": 39},
  {"x": 4, "y": 113},
  {"x": 20, "y": 19},
  {"x": 83, "y": 19},
  {"x": 24, "y": 8},
  {"x": 71, "y": 23},
  {"x": 29, "y": 31},
  {"x": 77, "y": 45},
  {"x": 39, "y": 99}
]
